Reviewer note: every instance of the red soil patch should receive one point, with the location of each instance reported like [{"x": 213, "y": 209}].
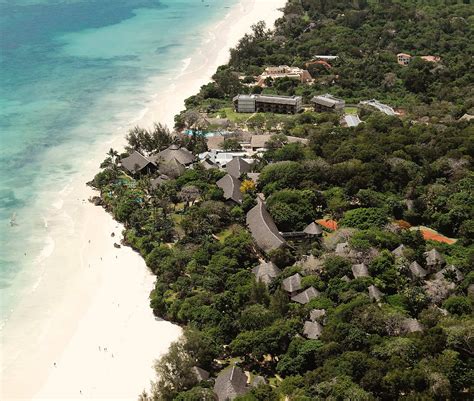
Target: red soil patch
[
  {"x": 327, "y": 223},
  {"x": 432, "y": 236}
]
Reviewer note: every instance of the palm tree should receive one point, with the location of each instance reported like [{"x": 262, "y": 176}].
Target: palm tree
[{"x": 113, "y": 154}]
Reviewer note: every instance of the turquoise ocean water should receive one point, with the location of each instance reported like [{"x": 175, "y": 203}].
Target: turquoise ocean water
[{"x": 71, "y": 72}]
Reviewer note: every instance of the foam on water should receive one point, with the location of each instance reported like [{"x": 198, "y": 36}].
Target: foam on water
[{"x": 80, "y": 74}]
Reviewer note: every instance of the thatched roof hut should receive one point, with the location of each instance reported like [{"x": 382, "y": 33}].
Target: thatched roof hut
[
  {"x": 200, "y": 373},
  {"x": 399, "y": 251},
  {"x": 231, "y": 187},
  {"x": 360, "y": 270},
  {"x": 306, "y": 296},
  {"x": 313, "y": 229},
  {"x": 375, "y": 294},
  {"x": 137, "y": 163},
  {"x": 230, "y": 383},
  {"x": 237, "y": 166},
  {"x": 434, "y": 258},
  {"x": 292, "y": 284},
  {"x": 317, "y": 315},
  {"x": 263, "y": 228},
  {"x": 312, "y": 330},
  {"x": 266, "y": 272},
  {"x": 417, "y": 271}
]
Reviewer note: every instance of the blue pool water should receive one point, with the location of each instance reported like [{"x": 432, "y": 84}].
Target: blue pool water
[{"x": 71, "y": 72}]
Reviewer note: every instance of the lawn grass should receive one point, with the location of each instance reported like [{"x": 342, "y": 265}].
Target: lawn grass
[{"x": 350, "y": 110}]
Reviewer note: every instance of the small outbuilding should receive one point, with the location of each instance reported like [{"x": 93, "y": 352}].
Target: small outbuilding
[
  {"x": 312, "y": 330},
  {"x": 136, "y": 164},
  {"x": 306, "y": 296},
  {"x": 230, "y": 383},
  {"x": 292, "y": 284},
  {"x": 266, "y": 272},
  {"x": 360, "y": 270}
]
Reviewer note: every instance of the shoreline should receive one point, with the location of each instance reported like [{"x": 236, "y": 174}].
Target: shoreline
[{"x": 97, "y": 295}]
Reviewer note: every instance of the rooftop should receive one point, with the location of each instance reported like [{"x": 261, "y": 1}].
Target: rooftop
[
  {"x": 231, "y": 187},
  {"x": 306, "y": 296},
  {"x": 263, "y": 228},
  {"x": 292, "y": 283},
  {"x": 135, "y": 162}
]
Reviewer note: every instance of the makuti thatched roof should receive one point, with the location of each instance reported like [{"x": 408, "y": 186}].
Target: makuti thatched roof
[
  {"x": 266, "y": 272},
  {"x": 263, "y": 228},
  {"x": 292, "y": 283},
  {"x": 230, "y": 383},
  {"x": 237, "y": 166},
  {"x": 306, "y": 296},
  {"x": 312, "y": 330},
  {"x": 231, "y": 187}
]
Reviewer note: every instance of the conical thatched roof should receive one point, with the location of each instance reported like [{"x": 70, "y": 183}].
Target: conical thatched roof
[
  {"x": 317, "y": 315},
  {"x": 172, "y": 168},
  {"x": 237, "y": 166},
  {"x": 360, "y": 270},
  {"x": 433, "y": 258},
  {"x": 292, "y": 283},
  {"x": 312, "y": 330},
  {"x": 182, "y": 155},
  {"x": 313, "y": 229},
  {"x": 266, "y": 272},
  {"x": 416, "y": 270},
  {"x": 450, "y": 273},
  {"x": 306, "y": 296},
  {"x": 230, "y": 383},
  {"x": 398, "y": 251},
  {"x": 200, "y": 373},
  {"x": 375, "y": 294},
  {"x": 343, "y": 249}
]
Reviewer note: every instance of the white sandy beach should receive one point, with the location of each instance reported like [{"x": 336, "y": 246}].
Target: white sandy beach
[{"x": 93, "y": 296}]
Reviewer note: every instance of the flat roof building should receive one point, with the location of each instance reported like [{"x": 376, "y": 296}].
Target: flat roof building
[{"x": 268, "y": 104}]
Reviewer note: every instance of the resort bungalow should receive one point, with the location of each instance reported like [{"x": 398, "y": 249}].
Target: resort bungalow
[
  {"x": 434, "y": 259},
  {"x": 231, "y": 187},
  {"x": 307, "y": 295},
  {"x": 230, "y": 383},
  {"x": 268, "y": 104},
  {"x": 417, "y": 271},
  {"x": 312, "y": 330},
  {"x": 182, "y": 155},
  {"x": 136, "y": 164},
  {"x": 327, "y": 103},
  {"x": 172, "y": 168},
  {"x": 263, "y": 228},
  {"x": 266, "y": 272},
  {"x": 156, "y": 182},
  {"x": 200, "y": 374},
  {"x": 237, "y": 166},
  {"x": 360, "y": 270},
  {"x": 292, "y": 284}
]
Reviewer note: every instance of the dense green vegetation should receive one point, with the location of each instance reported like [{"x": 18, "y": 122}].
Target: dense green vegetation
[{"x": 416, "y": 168}]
